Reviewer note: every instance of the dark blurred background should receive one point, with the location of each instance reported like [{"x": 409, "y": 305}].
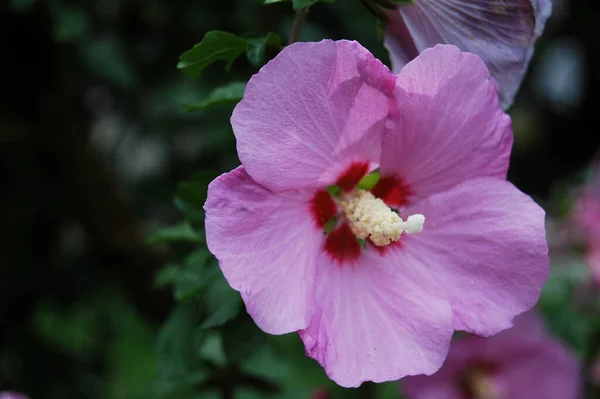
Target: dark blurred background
[{"x": 95, "y": 135}]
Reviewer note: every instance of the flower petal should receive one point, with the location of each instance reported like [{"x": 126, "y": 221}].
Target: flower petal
[
  {"x": 373, "y": 323},
  {"x": 311, "y": 112},
  {"x": 526, "y": 364},
  {"x": 266, "y": 244},
  {"x": 483, "y": 246},
  {"x": 541, "y": 370},
  {"x": 450, "y": 127},
  {"x": 501, "y": 32},
  {"x": 397, "y": 39}
]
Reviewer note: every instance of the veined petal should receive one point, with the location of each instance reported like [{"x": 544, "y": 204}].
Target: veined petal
[
  {"x": 310, "y": 113},
  {"x": 484, "y": 248},
  {"x": 449, "y": 127},
  {"x": 266, "y": 244},
  {"x": 372, "y": 323},
  {"x": 502, "y": 32}
]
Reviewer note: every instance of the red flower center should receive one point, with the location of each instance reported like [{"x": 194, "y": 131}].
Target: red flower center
[{"x": 340, "y": 243}]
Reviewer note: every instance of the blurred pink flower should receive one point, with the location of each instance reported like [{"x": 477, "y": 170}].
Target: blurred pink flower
[
  {"x": 520, "y": 363},
  {"x": 12, "y": 395},
  {"x": 586, "y": 222},
  {"x": 343, "y": 269},
  {"x": 320, "y": 393},
  {"x": 502, "y": 32}
]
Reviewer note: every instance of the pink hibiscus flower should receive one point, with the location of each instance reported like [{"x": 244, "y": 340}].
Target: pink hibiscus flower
[
  {"x": 372, "y": 296},
  {"x": 501, "y": 32},
  {"x": 520, "y": 363}
]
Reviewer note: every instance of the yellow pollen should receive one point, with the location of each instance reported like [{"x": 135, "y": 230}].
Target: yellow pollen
[
  {"x": 369, "y": 217},
  {"x": 481, "y": 386}
]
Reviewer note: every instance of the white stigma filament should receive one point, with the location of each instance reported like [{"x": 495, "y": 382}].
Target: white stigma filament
[{"x": 369, "y": 217}]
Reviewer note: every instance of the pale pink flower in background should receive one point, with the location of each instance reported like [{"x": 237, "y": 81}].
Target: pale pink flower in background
[
  {"x": 501, "y": 32},
  {"x": 375, "y": 280},
  {"x": 523, "y": 362},
  {"x": 586, "y": 223},
  {"x": 12, "y": 395}
]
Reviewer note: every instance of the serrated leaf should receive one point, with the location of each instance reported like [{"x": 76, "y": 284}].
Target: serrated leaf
[
  {"x": 220, "y": 302},
  {"x": 215, "y": 46},
  {"x": 231, "y": 93},
  {"x": 255, "y": 51},
  {"x": 242, "y": 338},
  {"x": 182, "y": 231}
]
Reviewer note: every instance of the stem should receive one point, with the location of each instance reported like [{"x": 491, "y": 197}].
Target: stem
[{"x": 298, "y": 21}]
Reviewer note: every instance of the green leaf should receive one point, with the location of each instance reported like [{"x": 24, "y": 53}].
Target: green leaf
[
  {"x": 242, "y": 338},
  {"x": 569, "y": 320},
  {"x": 265, "y": 363},
  {"x": 370, "y": 180},
  {"x": 221, "y": 303},
  {"x": 175, "y": 339},
  {"x": 182, "y": 231},
  {"x": 255, "y": 51},
  {"x": 273, "y": 1},
  {"x": 180, "y": 386},
  {"x": 391, "y": 4},
  {"x": 298, "y": 4},
  {"x": 231, "y": 93},
  {"x": 166, "y": 276},
  {"x": 191, "y": 194},
  {"x": 248, "y": 393},
  {"x": 388, "y": 390},
  {"x": 211, "y": 349},
  {"x": 215, "y": 46},
  {"x": 191, "y": 279}
]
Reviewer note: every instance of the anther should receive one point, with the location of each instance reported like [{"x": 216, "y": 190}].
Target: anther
[{"x": 369, "y": 217}]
